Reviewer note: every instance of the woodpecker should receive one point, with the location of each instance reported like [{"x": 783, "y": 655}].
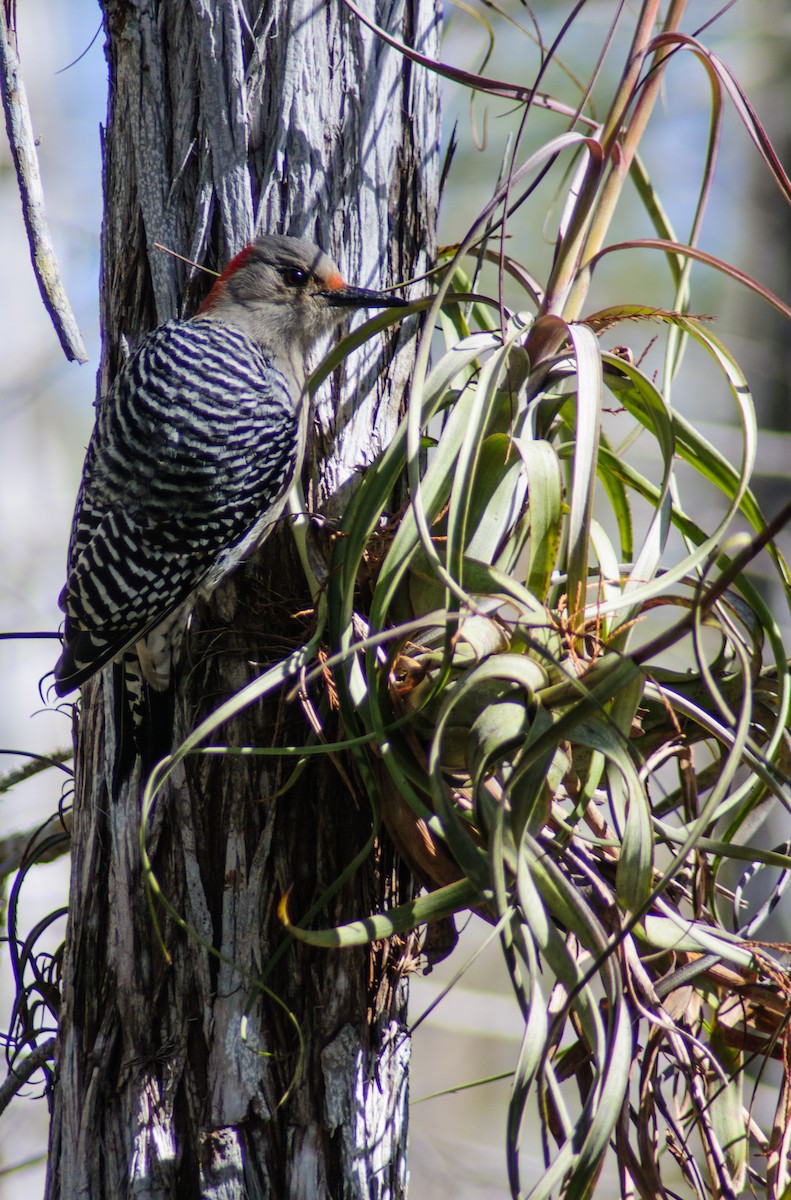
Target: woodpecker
[{"x": 192, "y": 454}]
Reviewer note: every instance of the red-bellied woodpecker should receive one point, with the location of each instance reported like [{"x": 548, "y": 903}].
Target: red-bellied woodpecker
[{"x": 192, "y": 455}]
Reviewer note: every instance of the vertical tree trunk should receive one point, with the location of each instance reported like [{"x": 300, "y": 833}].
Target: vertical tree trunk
[{"x": 186, "y": 1078}]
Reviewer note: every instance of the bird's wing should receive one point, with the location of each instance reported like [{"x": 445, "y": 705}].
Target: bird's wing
[{"x": 196, "y": 440}]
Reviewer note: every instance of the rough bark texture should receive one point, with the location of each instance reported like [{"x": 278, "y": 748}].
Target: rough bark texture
[{"x": 177, "y": 1079}]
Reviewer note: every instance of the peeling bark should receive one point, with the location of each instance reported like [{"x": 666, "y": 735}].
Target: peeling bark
[{"x": 179, "y": 1079}]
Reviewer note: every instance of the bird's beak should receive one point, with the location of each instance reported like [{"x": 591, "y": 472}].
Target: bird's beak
[{"x": 350, "y": 297}]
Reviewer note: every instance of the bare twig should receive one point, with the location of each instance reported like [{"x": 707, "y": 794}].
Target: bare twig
[
  {"x": 23, "y": 150},
  {"x": 35, "y": 764},
  {"x": 19, "y": 1074},
  {"x": 35, "y": 845}
]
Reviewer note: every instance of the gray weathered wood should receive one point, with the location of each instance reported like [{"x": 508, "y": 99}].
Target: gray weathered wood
[
  {"x": 22, "y": 143},
  {"x": 177, "y": 1079}
]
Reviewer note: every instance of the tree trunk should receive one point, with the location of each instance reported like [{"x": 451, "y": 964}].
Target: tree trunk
[{"x": 241, "y": 1063}]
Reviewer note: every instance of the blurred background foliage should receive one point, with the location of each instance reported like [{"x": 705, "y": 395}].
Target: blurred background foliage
[{"x": 459, "y": 1141}]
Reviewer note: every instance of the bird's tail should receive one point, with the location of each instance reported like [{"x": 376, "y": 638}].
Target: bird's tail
[{"x": 144, "y": 720}]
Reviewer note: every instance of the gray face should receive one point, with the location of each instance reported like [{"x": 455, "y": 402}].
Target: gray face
[
  {"x": 286, "y": 293},
  {"x": 285, "y": 279},
  {"x": 285, "y": 253}
]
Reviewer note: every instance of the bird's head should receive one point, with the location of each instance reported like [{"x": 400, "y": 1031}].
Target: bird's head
[{"x": 286, "y": 294}]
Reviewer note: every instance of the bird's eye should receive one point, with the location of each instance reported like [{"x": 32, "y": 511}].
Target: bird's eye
[{"x": 295, "y": 277}]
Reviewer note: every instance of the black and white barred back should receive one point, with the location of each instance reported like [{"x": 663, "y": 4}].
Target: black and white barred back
[{"x": 193, "y": 450}]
